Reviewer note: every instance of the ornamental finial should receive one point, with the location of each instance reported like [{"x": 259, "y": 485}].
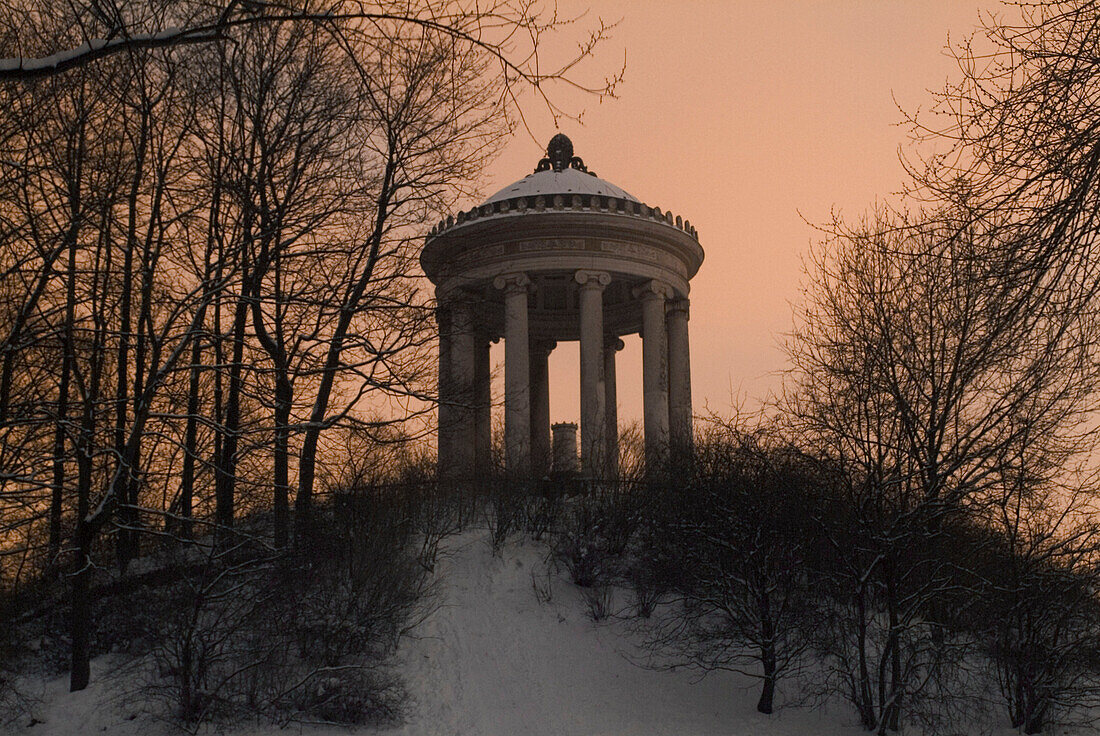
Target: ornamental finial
[
  {"x": 559, "y": 156},
  {"x": 560, "y": 151}
]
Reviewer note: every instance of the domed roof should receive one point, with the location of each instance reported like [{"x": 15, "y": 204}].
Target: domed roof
[
  {"x": 560, "y": 173},
  {"x": 569, "y": 181}
]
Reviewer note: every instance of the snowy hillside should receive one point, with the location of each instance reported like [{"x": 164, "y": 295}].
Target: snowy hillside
[{"x": 495, "y": 660}]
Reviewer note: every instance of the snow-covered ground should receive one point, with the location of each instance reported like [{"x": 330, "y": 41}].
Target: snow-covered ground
[{"x": 495, "y": 660}]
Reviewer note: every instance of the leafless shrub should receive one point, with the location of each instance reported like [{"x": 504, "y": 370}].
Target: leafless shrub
[
  {"x": 725, "y": 549},
  {"x": 580, "y": 547},
  {"x": 505, "y": 510},
  {"x": 598, "y": 601},
  {"x": 16, "y": 706},
  {"x": 544, "y": 587},
  {"x": 544, "y": 508},
  {"x": 304, "y": 637},
  {"x": 597, "y": 530}
]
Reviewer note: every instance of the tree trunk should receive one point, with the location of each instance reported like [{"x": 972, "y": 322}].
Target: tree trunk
[
  {"x": 307, "y": 464},
  {"x": 892, "y": 714},
  {"x": 133, "y": 480},
  {"x": 227, "y": 463},
  {"x": 57, "y": 497},
  {"x": 69, "y": 357},
  {"x": 275, "y": 346},
  {"x": 190, "y": 443},
  {"x": 283, "y": 398},
  {"x": 767, "y": 655},
  {"x": 124, "y": 541},
  {"x": 766, "y": 703},
  {"x": 866, "y": 699},
  {"x": 81, "y": 624},
  {"x": 1035, "y": 720}
]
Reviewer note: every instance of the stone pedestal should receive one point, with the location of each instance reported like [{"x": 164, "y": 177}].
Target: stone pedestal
[{"x": 565, "y": 449}]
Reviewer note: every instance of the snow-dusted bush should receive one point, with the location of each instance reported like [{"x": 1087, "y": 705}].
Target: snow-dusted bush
[
  {"x": 505, "y": 508},
  {"x": 1032, "y": 608},
  {"x": 15, "y": 705},
  {"x": 544, "y": 508},
  {"x": 596, "y": 530},
  {"x": 724, "y": 548},
  {"x": 306, "y": 636}
]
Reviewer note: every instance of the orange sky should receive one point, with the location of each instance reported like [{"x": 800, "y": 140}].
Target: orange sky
[{"x": 739, "y": 116}]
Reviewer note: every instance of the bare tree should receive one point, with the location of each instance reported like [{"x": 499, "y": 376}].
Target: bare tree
[
  {"x": 220, "y": 257},
  {"x": 740, "y": 533},
  {"x": 506, "y": 32},
  {"x": 1035, "y": 615},
  {"x": 922, "y": 357},
  {"x": 1016, "y": 139}
]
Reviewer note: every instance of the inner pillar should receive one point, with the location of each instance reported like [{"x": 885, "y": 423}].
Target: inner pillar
[
  {"x": 679, "y": 380},
  {"x": 517, "y": 374},
  {"x": 593, "y": 410},
  {"x": 541, "y": 454},
  {"x": 654, "y": 371},
  {"x": 611, "y": 346}
]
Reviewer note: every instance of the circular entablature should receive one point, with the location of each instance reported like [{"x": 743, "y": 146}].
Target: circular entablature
[{"x": 551, "y": 224}]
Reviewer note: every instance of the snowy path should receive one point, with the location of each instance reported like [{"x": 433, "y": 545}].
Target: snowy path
[{"x": 495, "y": 661}]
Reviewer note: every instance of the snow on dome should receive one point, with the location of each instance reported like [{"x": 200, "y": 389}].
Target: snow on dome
[
  {"x": 560, "y": 173},
  {"x": 566, "y": 181}
]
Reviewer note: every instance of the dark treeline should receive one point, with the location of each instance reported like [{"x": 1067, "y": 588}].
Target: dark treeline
[
  {"x": 208, "y": 261},
  {"x": 800, "y": 571}
]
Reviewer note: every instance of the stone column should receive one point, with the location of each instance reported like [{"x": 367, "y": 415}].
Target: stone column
[
  {"x": 679, "y": 379},
  {"x": 517, "y": 374},
  {"x": 593, "y": 425},
  {"x": 611, "y": 346},
  {"x": 541, "y": 456},
  {"x": 445, "y": 460},
  {"x": 463, "y": 373},
  {"x": 483, "y": 422},
  {"x": 654, "y": 371}
]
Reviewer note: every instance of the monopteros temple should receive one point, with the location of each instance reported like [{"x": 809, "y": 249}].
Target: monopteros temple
[{"x": 560, "y": 255}]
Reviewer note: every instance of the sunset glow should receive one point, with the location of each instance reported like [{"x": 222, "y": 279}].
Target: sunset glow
[{"x": 754, "y": 121}]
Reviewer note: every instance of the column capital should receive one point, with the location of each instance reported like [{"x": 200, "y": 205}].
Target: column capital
[
  {"x": 680, "y": 305},
  {"x": 652, "y": 290},
  {"x": 592, "y": 279},
  {"x": 613, "y": 343},
  {"x": 512, "y": 283},
  {"x": 539, "y": 346}
]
